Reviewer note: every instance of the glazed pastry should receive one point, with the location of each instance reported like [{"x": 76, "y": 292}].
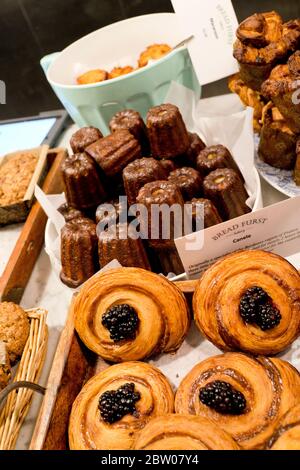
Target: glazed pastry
[
  {"x": 168, "y": 165},
  {"x": 167, "y": 132},
  {"x": 277, "y": 145},
  {"x": 188, "y": 180},
  {"x": 297, "y": 166},
  {"x": 119, "y": 71},
  {"x": 249, "y": 97},
  {"x": 114, "y": 211},
  {"x": 263, "y": 41},
  {"x": 226, "y": 190},
  {"x": 210, "y": 212},
  {"x": 153, "y": 52},
  {"x": 92, "y": 76},
  {"x": 114, "y": 152},
  {"x": 244, "y": 395},
  {"x": 14, "y": 329},
  {"x": 283, "y": 89},
  {"x": 249, "y": 301},
  {"x": 79, "y": 258},
  {"x": 132, "y": 121},
  {"x": 196, "y": 145},
  {"x": 215, "y": 157},
  {"x": 83, "y": 138},
  {"x": 179, "y": 432},
  {"x": 69, "y": 213},
  {"x": 5, "y": 370},
  {"x": 139, "y": 173},
  {"x": 119, "y": 242},
  {"x": 128, "y": 314},
  {"x": 83, "y": 186},
  {"x": 287, "y": 434},
  {"x": 100, "y": 420}
]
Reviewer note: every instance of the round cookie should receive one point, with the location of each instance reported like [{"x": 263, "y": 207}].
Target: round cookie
[{"x": 14, "y": 329}]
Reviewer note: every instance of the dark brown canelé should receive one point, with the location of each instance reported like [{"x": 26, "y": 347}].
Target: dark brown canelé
[
  {"x": 111, "y": 212},
  {"x": 188, "y": 180},
  {"x": 226, "y": 190},
  {"x": 210, "y": 213},
  {"x": 214, "y": 157},
  {"x": 132, "y": 121},
  {"x": 283, "y": 89},
  {"x": 79, "y": 258},
  {"x": 114, "y": 152},
  {"x": 167, "y": 133},
  {"x": 277, "y": 146},
  {"x": 139, "y": 173},
  {"x": 263, "y": 41},
  {"x": 83, "y": 186},
  {"x": 196, "y": 145},
  {"x": 69, "y": 213},
  {"x": 119, "y": 242},
  {"x": 168, "y": 165},
  {"x": 83, "y": 138}
]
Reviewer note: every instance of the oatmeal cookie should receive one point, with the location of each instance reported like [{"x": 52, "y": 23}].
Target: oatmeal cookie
[{"x": 14, "y": 329}]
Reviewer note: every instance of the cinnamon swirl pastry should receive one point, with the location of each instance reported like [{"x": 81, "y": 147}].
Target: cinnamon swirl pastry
[
  {"x": 287, "y": 434},
  {"x": 178, "y": 432},
  {"x": 243, "y": 395},
  {"x": 116, "y": 404},
  {"x": 249, "y": 301},
  {"x": 129, "y": 314}
]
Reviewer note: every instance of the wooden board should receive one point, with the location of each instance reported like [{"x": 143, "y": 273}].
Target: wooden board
[{"x": 27, "y": 249}]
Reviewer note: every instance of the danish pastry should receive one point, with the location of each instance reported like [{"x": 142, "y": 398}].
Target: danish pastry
[{"x": 287, "y": 434}]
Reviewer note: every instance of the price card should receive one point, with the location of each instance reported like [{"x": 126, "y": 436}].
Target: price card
[{"x": 213, "y": 24}]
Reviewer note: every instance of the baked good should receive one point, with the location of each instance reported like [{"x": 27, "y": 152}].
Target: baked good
[
  {"x": 210, "y": 213},
  {"x": 183, "y": 432},
  {"x": 92, "y": 76},
  {"x": 119, "y": 71},
  {"x": 111, "y": 212},
  {"x": 297, "y": 165},
  {"x": 244, "y": 395},
  {"x": 188, "y": 180},
  {"x": 120, "y": 242},
  {"x": 169, "y": 260},
  {"x": 167, "y": 132},
  {"x": 282, "y": 88},
  {"x": 5, "y": 370},
  {"x": 82, "y": 183},
  {"x": 79, "y": 245},
  {"x": 277, "y": 145},
  {"x": 132, "y": 121},
  {"x": 128, "y": 314},
  {"x": 263, "y": 41},
  {"x": 114, "y": 152},
  {"x": 139, "y": 173},
  {"x": 168, "y": 165},
  {"x": 14, "y": 329},
  {"x": 69, "y": 213},
  {"x": 101, "y": 421},
  {"x": 249, "y": 301},
  {"x": 196, "y": 145},
  {"x": 153, "y": 52},
  {"x": 226, "y": 190},
  {"x": 83, "y": 138},
  {"x": 287, "y": 434},
  {"x": 249, "y": 97},
  {"x": 153, "y": 225},
  {"x": 215, "y": 157}
]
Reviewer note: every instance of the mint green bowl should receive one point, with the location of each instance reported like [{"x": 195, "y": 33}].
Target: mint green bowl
[{"x": 119, "y": 44}]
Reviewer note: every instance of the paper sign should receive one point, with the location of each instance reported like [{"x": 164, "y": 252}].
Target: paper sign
[
  {"x": 275, "y": 228},
  {"x": 213, "y": 24}
]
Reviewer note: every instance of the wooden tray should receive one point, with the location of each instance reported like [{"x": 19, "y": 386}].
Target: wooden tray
[{"x": 23, "y": 258}]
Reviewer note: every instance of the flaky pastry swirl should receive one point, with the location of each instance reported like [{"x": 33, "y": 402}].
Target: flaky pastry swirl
[
  {"x": 287, "y": 434},
  {"x": 161, "y": 308},
  {"x": 270, "y": 387},
  {"x": 218, "y": 295},
  {"x": 87, "y": 428},
  {"x": 179, "y": 432}
]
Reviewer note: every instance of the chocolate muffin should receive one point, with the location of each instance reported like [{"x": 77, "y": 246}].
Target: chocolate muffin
[
  {"x": 167, "y": 132},
  {"x": 188, "y": 180},
  {"x": 132, "y": 121},
  {"x": 263, "y": 41},
  {"x": 226, "y": 190},
  {"x": 114, "y": 152},
  {"x": 79, "y": 245},
  {"x": 119, "y": 242},
  {"x": 214, "y": 157},
  {"x": 277, "y": 146},
  {"x": 83, "y": 186},
  {"x": 210, "y": 213},
  {"x": 69, "y": 213},
  {"x": 83, "y": 138},
  {"x": 139, "y": 173}
]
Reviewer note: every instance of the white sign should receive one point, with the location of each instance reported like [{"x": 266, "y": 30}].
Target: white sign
[
  {"x": 213, "y": 24},
  {"x": 275, "y": 228}
]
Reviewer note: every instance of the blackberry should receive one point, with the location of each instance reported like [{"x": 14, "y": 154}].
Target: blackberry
[
  {"x": 114, "y": 404},
  {"x": 223, "y": 398},
  {"x": 121, "y": 321},
  {"x": 256, "y": 308}
]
